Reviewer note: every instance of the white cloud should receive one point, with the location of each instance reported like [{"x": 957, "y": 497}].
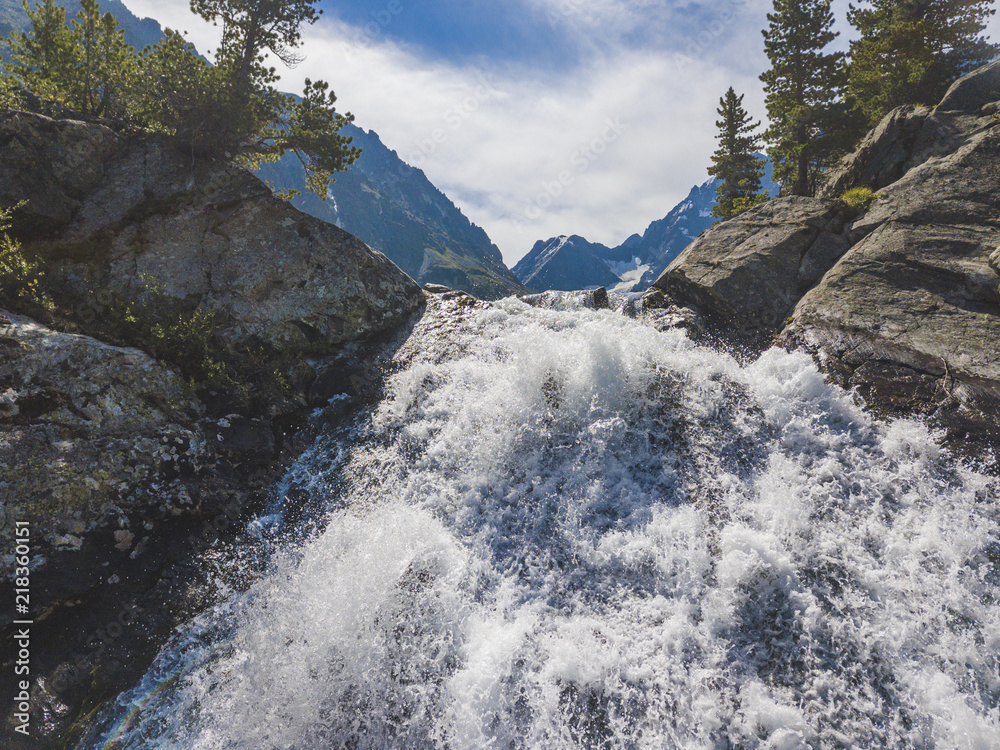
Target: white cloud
[
  {"x": 177, "y": 15},
  {"x": 528, "y": 155},
  {"x": 529, "y": 158}
]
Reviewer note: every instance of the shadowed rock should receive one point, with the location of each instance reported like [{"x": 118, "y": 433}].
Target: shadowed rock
[
  {"x": 205, "y": 233},
  {"x": 750, "y": 271}
]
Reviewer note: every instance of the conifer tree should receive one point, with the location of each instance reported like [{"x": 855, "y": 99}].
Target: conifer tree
[
  {"x": 230, "y": 109},
  {"x": 260, "y": 123},
  {"x": 910, "y": 52},
  {"x": 105, "y": 63},
  {"x": 176, "y": 92},
  {"x": 46, "y": 56},
  {"x": 87, "y": 66},
  {"x": 811, "y": 124},
  {"x": 735, "y": 162}
]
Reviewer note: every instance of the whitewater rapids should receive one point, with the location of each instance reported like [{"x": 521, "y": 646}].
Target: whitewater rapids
[{"x": 561, "y": 528}]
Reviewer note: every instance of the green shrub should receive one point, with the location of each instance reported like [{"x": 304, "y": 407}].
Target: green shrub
[
  {"x": 857, "y": 200},
  {"x": 20, "y": 279},
  {"x": 168, "y": 330},
  {"x": 10, "y": 93}
]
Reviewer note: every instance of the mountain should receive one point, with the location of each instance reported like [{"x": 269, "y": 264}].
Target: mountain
[
  {"x": 395, "y": 209},
  {"x": 566, "y": 264},
  {"x": 383, "y": 201},
  {"x": 639, "y": 260}
]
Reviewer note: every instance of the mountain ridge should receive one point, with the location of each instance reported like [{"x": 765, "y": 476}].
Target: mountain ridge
[
  {"x": 638, "y": 261},
  {"x": 398, "y": 211}
]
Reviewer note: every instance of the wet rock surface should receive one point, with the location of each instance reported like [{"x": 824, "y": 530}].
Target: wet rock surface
[{"x": 901, "y": 303}]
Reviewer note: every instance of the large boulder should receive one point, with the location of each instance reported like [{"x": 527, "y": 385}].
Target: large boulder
[
  {"x": 908, "y": 136},
  {"x": 205, "y": 233},
  {"x": 883, "y": 155},
  {"x": 979, "y": 89},
  {"x": 752, "y": 270},
  {"x": 911, "y": 315},
  {"x": 903, "y": 302}
]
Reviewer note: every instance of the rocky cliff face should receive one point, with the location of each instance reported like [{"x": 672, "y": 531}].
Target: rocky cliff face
[
  {"x": 903, "y": 302},
  {"x": 125, "y": 469}
]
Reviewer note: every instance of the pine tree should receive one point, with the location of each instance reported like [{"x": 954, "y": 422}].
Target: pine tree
[
  {"x": 230, "y": 110},
  {"x": 176, "y": 91},
  {"x": 811, "y": 124},
  {"x": 87, "y": 66},
  {"x": 910, "y": 52},
  {"x": 251, "y": 28},
  {"x": 735, "y": 162},
  {"x": 105, "y": 62},
  {"x": 46, "y": 56},
  {"x": 262, "y": 124}
]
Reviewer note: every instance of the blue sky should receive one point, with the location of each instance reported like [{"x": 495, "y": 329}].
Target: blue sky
[
  {"x": 470, "y": 31},
  {"x": 537, "y": 117}
]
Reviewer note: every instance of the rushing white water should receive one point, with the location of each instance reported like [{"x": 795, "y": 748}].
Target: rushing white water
[{"x": 564, "y": 529}]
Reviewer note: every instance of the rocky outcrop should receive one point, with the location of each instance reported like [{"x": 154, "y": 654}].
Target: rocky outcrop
[
  {"x": 120, "y": 214},
  {"x": 122, "y": 477},
  {"x": 883, "y": 155},
  {"x": 752, "y": 270},
  {"x": 903, "y": 303},
  {"x": 52, "y": 165},
  {"x": 973, "y": 92},
  {"x": 125, "y": 469},
  {"x": 911, "y": 316},
  {"x": 909, "y": 136}
]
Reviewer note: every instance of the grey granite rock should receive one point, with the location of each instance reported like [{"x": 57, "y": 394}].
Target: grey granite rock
[
  {"x": 204, "y": 233},
  {"x": 750, "y": 271}
]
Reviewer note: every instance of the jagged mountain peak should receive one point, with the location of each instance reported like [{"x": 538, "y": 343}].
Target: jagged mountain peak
[{"x": 639, "y": 260}]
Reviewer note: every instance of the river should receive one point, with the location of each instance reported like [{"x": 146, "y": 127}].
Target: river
[{"x": 562, "y": 528}]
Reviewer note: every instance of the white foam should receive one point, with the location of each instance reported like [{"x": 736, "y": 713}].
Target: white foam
[{"x": 563, "y": 529}]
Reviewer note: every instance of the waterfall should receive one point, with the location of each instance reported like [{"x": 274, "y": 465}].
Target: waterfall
[{"x": 561, "y": 528}]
